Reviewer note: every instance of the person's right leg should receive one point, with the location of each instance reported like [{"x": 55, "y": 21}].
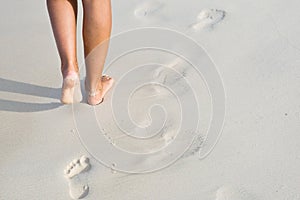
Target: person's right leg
[
  {"x": 63, "y": 17},
  {"x": 97, "y": 24}
]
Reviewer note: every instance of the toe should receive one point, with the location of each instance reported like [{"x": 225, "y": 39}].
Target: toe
[
  {"x": 106, "y": 77},
  {"x": 74, "y": 162},
  {"x": 84, "y": 159}
]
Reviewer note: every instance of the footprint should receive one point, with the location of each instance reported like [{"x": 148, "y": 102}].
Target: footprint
[
  {"x": 208, "y": 18},
  {"x": 77, "y": 166},
  {"x": 195, "y": 147},
  {"x": 173, "y": 75},
  {"x": 232, "y": 193},
  {"x": 160, "y": 71},
  {"x": 148, "y": 9},
  {"x": 74, "y": 172}
]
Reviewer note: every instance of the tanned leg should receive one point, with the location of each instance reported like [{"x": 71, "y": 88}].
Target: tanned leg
[
  {"x": 97, "y": 22},
  {"x": 63, "y": 17}
]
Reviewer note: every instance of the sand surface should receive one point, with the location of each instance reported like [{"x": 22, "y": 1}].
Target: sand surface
[{"x": 255, "y": 48}]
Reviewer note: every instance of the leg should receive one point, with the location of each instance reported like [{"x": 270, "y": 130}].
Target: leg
[
  {"x": 97, "y": 22},
  {"x": 63, "y": 17}
]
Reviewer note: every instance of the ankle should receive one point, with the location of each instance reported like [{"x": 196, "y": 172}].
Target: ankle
[
  {"x": 67, "y": 71},
  {"x": 92, "y": 87},
  {"x": 69, "y": 67}
]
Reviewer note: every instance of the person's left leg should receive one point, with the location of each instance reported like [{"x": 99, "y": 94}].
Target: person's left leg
[
  {"x": 63, "y": 17},
  {"x": 97, "y": 22}
]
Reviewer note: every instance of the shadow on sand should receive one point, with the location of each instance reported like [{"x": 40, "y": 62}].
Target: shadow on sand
[{"x": 27, "y": 89}]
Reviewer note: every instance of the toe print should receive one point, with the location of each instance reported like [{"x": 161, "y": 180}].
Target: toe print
[{"x": 76, "y": 167}]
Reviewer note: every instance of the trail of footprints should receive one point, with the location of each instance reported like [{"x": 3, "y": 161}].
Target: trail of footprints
[
  {"x": 74, "y": 173},
  {"x": 207, "y": 18}
]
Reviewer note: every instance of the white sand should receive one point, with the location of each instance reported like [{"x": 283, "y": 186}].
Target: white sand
[{"x": 256, "y": 49}]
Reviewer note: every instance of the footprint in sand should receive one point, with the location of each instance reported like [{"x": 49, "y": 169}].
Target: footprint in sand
[
  {"x": 148, "y": 9},
  {"x": 208, "y": 18},
  {"x": 232, "y": 193},
  {"x": 195, "y": 147},
  {"x": 77, "y": 187},
  {"x": 174, "y": 75}
]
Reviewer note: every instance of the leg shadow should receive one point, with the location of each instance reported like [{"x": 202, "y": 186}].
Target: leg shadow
[{"x": 27, "y": 89}]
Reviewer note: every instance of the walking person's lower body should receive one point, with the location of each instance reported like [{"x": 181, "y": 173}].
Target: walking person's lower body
[{"x": 97, "y": 22}]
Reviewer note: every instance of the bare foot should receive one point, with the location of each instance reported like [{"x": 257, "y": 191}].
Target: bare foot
[
  {"x": 96, "y": 97},
  {"x": 70, "y": 89}
]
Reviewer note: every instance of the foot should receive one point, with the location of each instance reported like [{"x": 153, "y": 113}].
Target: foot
[
  {"x": 71, "y": 88},
  {"x": 96, "y": 97},
  {"x": 77, "y": 166}
]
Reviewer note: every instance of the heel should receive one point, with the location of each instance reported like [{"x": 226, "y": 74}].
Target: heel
[
  {"x": 96, "y": 97},
  {"x": 92, "y": 98},
  {"x": 70, "y": 88}
]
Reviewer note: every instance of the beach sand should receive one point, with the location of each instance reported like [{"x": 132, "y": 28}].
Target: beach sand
[{"x": 255, "y": 48}]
